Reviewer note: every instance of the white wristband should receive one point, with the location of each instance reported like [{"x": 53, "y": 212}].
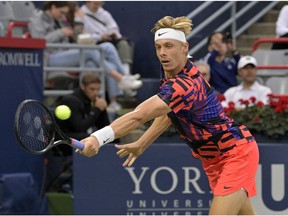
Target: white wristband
[{"x": 104, "y": 135}]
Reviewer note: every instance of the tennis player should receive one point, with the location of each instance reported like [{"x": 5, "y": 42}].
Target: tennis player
[{"x": 229, "y": 153}]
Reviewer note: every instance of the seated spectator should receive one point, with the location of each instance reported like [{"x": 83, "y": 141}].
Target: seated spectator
[
  {"x": 282, "y": 28},
  {"x": 103, "y": 28},
  {"x": 223, "y": 68},
  {"x": 74, "y": 19},
  {"x": 48, "y": 24},
  {"x": 249, "y": 87},
  {"x": 204, "y": 69},
  {"x": 88, "y": 109}
]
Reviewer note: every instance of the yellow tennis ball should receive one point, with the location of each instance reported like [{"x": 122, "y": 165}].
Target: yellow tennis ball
[{"x": 63, "y": 112}]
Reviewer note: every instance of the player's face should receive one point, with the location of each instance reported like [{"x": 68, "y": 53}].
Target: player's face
[
  {"x": 91, "y": 90},
  {"x": 172, "y": 55},
  {"x": 248, "y": 73}
]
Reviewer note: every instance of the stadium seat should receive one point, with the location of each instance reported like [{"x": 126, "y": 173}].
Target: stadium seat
[
  {"x": 6, "y": 15},
  {"x": 278, "y": 85},
  {"x": 1, "y": 30},
  {"x": 271, "y": 57},
  {"x": 23, "y": 10}
]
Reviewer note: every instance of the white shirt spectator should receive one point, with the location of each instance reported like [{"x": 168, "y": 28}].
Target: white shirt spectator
[
  {"x": 234, "y": 94},
  {"x": 249, "y": 86}
]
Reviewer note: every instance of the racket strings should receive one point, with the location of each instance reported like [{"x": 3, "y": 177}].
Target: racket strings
[{"x": 35, "y": 127}]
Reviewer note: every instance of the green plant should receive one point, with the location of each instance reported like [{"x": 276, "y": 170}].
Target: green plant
[{"x": 271, "y": 120}]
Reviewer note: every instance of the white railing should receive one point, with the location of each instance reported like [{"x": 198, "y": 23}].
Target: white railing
[{"x": 235, "y": 15}]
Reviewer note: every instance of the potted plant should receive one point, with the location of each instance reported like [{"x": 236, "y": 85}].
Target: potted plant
[{"x": 269, "y": 120}]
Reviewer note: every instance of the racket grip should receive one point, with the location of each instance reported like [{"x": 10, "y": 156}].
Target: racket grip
[{"x": 77, "y": 144}]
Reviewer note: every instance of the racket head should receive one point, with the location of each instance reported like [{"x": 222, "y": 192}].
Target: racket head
[{"x": 34, "y": 127}]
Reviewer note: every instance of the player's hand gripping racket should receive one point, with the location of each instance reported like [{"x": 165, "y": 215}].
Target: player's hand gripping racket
[{"x": 36, "y": 129}]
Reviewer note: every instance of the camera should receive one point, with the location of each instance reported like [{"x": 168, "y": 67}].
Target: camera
[{"x": 227, "y": 37}]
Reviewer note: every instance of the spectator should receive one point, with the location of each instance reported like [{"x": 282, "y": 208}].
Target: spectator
[
  {"x": 88, "y": 109},
  {"x": 223, "y": 69},
  {"x": 282, "y": 28},
  {"x": 204, "y": 69},
  {"x": 74, "y": 19},
  {"x": 249, "y": 86},
  {"x": 103, "y": 27},
  {"x": 47, "y": 24},
  {"x": 113, "y": 90}
]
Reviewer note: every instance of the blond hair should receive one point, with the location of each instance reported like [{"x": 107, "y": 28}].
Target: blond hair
[{"x": 178, "y": 23}]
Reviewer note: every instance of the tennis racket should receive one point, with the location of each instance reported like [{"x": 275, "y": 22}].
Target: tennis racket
[{"x": 36, "y": 129}]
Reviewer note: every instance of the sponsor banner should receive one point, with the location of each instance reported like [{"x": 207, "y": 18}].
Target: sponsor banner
[
  {"x": 167, "y": 180},
  {"x": 26, "y": 58},
  {"x": 272, "y": 180},
  {"x": 21, "y": 75}
]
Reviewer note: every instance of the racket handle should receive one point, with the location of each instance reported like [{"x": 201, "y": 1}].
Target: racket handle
[{"x": 77, "y": 144}]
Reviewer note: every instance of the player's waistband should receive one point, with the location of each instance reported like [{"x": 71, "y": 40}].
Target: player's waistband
[{"x": 220, "y": 144}]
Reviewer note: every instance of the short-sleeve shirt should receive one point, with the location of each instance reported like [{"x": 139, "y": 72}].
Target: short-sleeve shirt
[{"x": 197, "y": 114}]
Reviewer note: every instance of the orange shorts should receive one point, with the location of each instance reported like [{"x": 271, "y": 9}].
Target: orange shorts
[{"x": 234, "y": 170}]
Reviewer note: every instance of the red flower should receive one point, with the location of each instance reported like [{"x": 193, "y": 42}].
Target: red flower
[
  {"x": 253, "y": 99},
  {"x": 260, "y": 104},
  {"x": 270, "y": 119},
  {"x": 279, "y": 108},
  {"x": 221, "y": 97},
  {"x": 231, "y": 104},
  {"x": 256, "y": 118},
  {"x": 245, "y": 102},
  {"x": 229, "y": 109}
]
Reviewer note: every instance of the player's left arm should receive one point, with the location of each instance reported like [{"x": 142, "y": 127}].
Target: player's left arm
[{"x": 135, "y": 149}]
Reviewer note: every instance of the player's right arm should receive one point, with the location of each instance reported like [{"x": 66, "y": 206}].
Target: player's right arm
[{"x": 150, "y": 109}]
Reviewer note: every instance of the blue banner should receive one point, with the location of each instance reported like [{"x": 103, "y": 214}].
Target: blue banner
[
  {"x": 167, "y": 180},
  {"x": 21, "y": 75},
  {"x": 163, "y": 181}
]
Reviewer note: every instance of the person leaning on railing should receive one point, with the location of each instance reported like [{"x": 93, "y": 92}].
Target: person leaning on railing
[{"x": 47, "y": 23}]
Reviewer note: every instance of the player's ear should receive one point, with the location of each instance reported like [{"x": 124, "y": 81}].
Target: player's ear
[{"x": 186, "y": 47}]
